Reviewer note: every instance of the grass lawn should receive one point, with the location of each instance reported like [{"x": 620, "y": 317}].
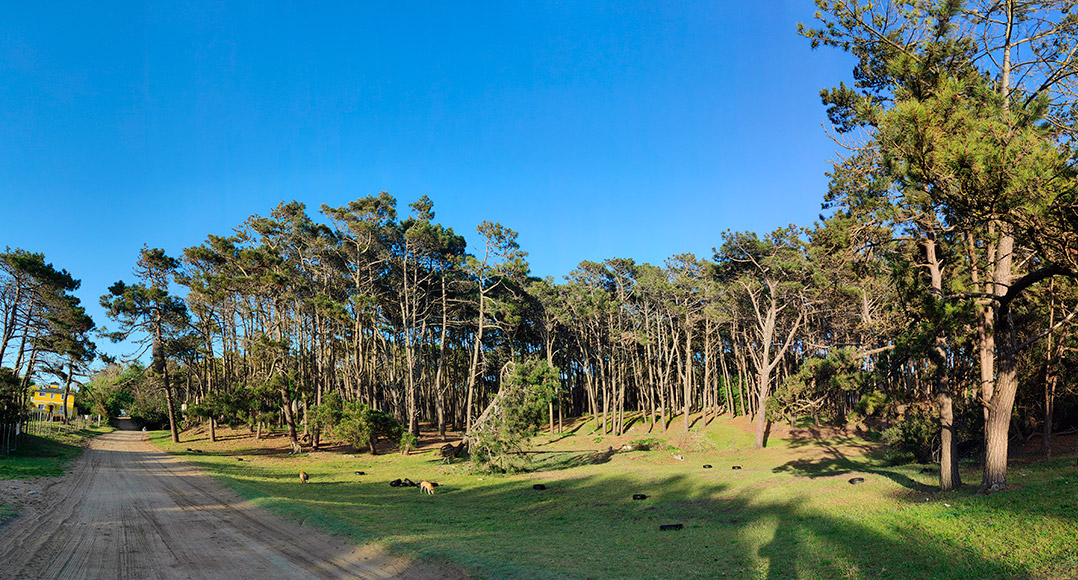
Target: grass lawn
[
  {"x": 47, "y": 455},
  {"x": 789, "y": 512}
]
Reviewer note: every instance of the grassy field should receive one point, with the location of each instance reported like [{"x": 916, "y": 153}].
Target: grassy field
[
  {"x": 47, "y": 455},
  {"x": 789, "y": 512}
]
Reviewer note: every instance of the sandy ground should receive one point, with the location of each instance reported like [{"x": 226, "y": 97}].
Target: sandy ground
[{"x": 128, "y": 510}]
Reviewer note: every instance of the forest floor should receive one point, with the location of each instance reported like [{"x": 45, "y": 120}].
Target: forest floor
[{"x": 788, "y": 511}]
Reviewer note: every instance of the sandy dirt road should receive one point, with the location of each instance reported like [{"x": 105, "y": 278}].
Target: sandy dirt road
[{"x": 128, "y": 510}]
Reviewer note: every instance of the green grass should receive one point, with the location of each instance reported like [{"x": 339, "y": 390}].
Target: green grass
[
  {"x": 46, "y": 455},
  {"x": 788, "y": 513}
]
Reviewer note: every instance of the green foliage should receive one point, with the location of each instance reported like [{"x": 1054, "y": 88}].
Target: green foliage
[
  {"x": 649, "y": 444},
  {"x": 916, "y": 432},
  {"x": 356, "y": 422},
  {"x": 148, "y": 409},
  {"x": 12, "y": 407},
  {"x": 872, "y": 403},
  {"x": 818, "y": 387},
  {"x": 110, "y": 391},
  {"x": 408, "y": 442},
  {"x": 501, "y": 432}
]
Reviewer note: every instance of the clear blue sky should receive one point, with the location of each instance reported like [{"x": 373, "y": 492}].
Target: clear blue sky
[{"x": 594, "y": 129}]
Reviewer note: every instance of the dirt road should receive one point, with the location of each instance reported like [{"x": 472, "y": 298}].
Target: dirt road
[{"x": 128, "y": 510}]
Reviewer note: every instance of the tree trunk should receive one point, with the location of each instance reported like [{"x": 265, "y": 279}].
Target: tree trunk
[
  {"x": 999, "y": 415},
  {"x": 474, "y": 368},
  {"x": 949, "y": 476},
  {"x": 1049, "y": 411},
  {"x": 290, "y": 421},
  {"x": 67, "y": 390},
  {"x": 1000, "y": 401},
  {"x": 688, "y": 370},
  {"x": 763, "y": 389}
]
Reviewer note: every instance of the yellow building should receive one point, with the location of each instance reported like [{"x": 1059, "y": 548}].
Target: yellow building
[{"x": 50, "y": 399}]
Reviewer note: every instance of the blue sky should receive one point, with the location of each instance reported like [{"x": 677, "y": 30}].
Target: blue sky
[{"x": 594, "y": 129}]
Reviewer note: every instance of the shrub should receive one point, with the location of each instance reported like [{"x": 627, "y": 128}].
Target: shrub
[
  {"x": 408, "y": 442},
  {"x": 872, "y": 403},
  {"x": 355, "y": 422},
  {"x": 915, "y": 432}
]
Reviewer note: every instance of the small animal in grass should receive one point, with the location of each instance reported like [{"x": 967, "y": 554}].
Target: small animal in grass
[
  {"x": 303, "y": 477},
  {"x": 426, "y": 487},
  {"x": 678, "y": 456}
]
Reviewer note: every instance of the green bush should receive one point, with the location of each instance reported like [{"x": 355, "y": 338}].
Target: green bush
[
  {"x": 872, "y": 403},
  {"x": 355, "y": 422},
  {"x": 916, "y": 432},
  {"x": 408, "y": 442}
]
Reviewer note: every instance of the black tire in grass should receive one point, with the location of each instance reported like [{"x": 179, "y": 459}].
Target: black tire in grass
[
  {"x": 707, "y": 466},
  {"x": 538, "y": 487},
  {"x": 669, "y": 527},
  {"x": 856, "y": 480},
  {"x": 736, "y": 467},
  {"x": 640, "y": 496}
]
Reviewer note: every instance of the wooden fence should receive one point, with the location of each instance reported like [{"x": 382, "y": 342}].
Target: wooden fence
[{"x": 40, "y": 424}]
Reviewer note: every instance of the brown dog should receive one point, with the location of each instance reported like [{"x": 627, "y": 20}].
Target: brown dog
[
  {"x": 303, "y": 477},
  {"x": 426, "y": 487}
]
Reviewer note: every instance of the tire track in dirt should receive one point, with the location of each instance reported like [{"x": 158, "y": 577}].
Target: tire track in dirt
[{"x": 128, "y": 510}]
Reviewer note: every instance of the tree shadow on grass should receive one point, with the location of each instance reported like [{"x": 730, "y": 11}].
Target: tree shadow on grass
[
  {"x": 507, "y": 529},
  {"x": 838, "y": 462},
  {"x": 561, "y": 460}
]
